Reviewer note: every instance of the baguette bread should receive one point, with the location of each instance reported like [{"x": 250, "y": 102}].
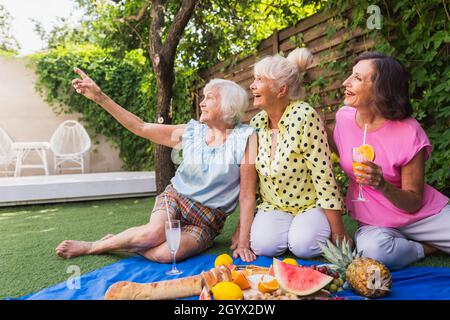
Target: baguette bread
[
  {"x": 176, "y": 288},
  {"x": 169, "y": 289}
]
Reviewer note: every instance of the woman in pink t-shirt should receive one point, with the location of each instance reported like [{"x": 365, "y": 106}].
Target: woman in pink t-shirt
[{"x": 404, "y": 219}]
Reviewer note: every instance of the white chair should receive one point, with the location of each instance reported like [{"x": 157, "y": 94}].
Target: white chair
[
  {"x": 8, "y": 155},
  {"x": 70, "y": 143}
]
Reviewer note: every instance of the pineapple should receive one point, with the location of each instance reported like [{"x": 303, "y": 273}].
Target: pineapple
[{"x": 366, "y": 276}]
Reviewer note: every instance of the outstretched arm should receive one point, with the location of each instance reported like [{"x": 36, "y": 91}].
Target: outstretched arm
[{"x": 167, "y": 135}]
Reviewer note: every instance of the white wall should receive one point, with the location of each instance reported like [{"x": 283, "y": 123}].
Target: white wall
[{"x": 26, "y": 117}]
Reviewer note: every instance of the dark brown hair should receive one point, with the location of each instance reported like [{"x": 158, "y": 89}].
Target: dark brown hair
[{"x": 391, "y": 85}]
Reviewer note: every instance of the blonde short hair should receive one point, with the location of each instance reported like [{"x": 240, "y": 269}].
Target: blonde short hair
[
  {"x": 286, "y": 71},
  {"x": 233, "y": 99}
]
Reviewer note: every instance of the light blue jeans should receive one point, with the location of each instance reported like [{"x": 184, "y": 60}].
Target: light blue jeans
[
  {"x": 273, "y": 232},
  {"x": 397, "y": 248}
]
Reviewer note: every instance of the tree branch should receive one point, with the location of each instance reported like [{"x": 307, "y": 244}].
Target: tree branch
[
  {"x": 138, "y": 18},
  {"x": 177, "y": 27},
  {"x": 156, "y": 31},
  {"x": 140, "y": 14},
  {"x": 136, "y": 32}
]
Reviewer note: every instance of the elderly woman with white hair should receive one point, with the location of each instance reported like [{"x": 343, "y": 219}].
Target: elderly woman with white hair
[
  {"x": 215, "y": 173},
  {"x": 298, "y": 203}
]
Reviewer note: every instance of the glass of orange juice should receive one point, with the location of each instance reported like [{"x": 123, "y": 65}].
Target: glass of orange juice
[{"x": 357, "y": 158}]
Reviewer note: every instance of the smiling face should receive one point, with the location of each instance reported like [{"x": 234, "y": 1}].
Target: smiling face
[
  {"x": 263, "y": 92},
  {"x": 359, "y": 85},
  {"x": 210, "y": 106}
]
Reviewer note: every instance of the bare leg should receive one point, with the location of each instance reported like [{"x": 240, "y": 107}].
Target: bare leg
[
  {"x": 132, "y": 240},
  {"x": 189, "y": 247},
  {"x": 107, "y": 236}
]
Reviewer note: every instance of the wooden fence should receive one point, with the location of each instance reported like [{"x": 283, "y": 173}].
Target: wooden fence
[{"x": 328, "y": 39}]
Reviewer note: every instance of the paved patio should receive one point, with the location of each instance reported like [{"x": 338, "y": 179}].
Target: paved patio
[{"x": 75, "y": 187}]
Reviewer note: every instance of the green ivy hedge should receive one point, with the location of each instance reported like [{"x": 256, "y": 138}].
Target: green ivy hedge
[
  {"x": 128, "y": 80},
  {"x": 422, "y": 43}
]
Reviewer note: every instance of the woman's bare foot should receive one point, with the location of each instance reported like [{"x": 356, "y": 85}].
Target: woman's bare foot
[
  {"x": 71, "y": 248},
  {"x": 107, "y": 236}
]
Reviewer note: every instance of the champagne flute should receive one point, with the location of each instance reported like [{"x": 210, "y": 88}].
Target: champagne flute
[
  {"x": 173, "y": 235},
  {"x": 357, "y": 159}
]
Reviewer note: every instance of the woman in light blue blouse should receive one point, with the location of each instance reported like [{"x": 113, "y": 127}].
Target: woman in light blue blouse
[{"x": 215, "y": 173}]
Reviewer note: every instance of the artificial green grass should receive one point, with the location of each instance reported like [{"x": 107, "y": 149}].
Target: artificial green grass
[{"x": 29, "y": 235}]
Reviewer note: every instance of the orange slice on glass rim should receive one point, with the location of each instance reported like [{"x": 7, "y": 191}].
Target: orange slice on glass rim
[{"x": 367, "y": 152}]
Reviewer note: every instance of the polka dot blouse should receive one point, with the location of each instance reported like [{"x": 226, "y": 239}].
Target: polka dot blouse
[{"x": 300, "y": 175}]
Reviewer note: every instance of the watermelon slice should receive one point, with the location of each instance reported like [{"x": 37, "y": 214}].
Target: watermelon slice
[
  {"x": 298, "y": 280},
  {"x": 271, "y": 273}
]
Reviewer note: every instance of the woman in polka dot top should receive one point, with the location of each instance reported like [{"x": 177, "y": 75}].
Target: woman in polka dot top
[{"x": 299, "y": 203}]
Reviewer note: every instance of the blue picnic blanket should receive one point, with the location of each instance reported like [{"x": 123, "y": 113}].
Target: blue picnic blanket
[{"x": 413, "y": 283}]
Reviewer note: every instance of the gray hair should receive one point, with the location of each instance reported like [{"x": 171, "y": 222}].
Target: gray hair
[
  {"x": 286, "y": 71},
  {"x": 233, "y": 99}
]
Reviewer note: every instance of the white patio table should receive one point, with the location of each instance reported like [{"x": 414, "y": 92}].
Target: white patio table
[{"x": 25, "y": 148}]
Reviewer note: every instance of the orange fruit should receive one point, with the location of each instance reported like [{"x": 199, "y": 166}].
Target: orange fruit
[
  {"x": 223, "y": 260},
  {"x": 291, "y": 261},
  {"x": 358, "y": 164},
  {"x": 240, "y": 279},
  {"x": 227, "y": 290},
  {"x": 367, "y": 151},
  {"x": 269, "y": 286}
]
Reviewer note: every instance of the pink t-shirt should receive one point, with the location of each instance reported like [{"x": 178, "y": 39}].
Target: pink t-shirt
[{"x": 395, "y": 144}]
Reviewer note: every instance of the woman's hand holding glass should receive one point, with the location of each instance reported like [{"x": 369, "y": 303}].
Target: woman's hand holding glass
[{"x": 370, "y": 174}]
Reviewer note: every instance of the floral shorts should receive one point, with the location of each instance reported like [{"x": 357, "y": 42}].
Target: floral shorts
[{"x": 201, "y": 222}]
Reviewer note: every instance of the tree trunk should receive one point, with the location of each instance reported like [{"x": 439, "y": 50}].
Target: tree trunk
[
  {"x": 163, "y": 59},
  {"x": 164, "y": 167}
]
